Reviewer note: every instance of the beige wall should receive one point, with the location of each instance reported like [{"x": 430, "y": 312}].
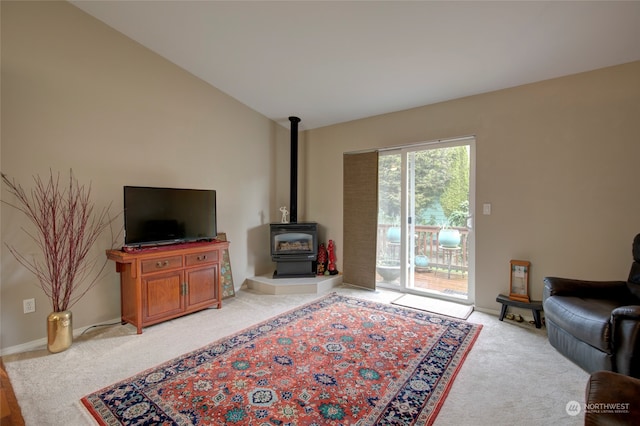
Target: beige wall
[
  {"x": 77, "y": 94},
  {"x": 556, "y": 159}
]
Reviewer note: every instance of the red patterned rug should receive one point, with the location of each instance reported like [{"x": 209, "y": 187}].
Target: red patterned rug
[{"x": 336, "y": 361}]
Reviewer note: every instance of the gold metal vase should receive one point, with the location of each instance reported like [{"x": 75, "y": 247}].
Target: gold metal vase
[{"x": 59, "y": 331}]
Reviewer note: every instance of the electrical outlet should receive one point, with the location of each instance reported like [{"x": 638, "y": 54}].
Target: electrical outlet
[{"x": 29, "y": 305}]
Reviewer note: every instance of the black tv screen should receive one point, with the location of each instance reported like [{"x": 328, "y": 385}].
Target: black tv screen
[{"x": 168, "y": 215}]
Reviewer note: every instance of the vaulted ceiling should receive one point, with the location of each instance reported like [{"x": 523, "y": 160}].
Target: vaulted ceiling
[{"x": 335, "y": 61}]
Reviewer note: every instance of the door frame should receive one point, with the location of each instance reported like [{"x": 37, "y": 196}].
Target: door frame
[{"x": 404, "y": 225}]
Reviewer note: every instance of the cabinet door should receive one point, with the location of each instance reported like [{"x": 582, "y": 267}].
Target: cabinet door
[
  {"x": 202, "y": 286},
  {"x": 162, "y": 295}
]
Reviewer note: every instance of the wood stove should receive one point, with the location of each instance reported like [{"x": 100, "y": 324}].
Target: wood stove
[{"x": 294, "y": 248}]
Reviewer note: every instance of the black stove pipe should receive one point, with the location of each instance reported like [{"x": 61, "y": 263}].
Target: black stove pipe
[{"x": 293, "y": 200}]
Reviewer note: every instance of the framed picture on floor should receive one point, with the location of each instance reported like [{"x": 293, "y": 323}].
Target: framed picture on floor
[{"x": 519, "y": 282}]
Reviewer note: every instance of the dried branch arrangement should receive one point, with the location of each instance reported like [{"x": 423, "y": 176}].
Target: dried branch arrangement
[{"x": 66, "y": 228}]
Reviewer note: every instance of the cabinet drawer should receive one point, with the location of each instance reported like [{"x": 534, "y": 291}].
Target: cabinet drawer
[
  {"x": 155, "y": 265},
  {"x": 200, "y": 258}
]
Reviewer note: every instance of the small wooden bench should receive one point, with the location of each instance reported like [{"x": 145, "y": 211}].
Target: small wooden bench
[{"x": 534, "y": 305}]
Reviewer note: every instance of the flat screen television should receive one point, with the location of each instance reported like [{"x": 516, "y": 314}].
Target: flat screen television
[{"x": 154, "y": 216}]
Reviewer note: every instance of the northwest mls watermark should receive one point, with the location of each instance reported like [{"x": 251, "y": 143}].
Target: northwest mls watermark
[{"x": 574, "y": 408}]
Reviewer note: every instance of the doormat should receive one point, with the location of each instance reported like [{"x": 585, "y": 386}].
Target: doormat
[
  {"x": 437, "y": 306},
  {"x": 336, "y": 361}
]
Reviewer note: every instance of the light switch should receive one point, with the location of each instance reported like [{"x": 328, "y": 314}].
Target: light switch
[{"x": 486, "y": 208}]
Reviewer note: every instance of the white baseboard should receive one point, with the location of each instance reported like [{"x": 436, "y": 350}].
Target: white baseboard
[
  {"x": 42, "y": 343},
  {"x": 487, "y": 311}
]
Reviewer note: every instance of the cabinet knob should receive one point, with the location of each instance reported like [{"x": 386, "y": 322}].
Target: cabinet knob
[
  {"x": 202, "y": 257},
  {"x": 160, "y": 264}
]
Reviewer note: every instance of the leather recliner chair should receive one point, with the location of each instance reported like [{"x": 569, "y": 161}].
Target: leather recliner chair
[{"x": 596, "y": 324}]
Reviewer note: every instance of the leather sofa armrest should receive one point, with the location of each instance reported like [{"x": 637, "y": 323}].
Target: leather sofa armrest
[
  {"x": 625, "y": 324},
  {"x": 631, "y": 312},
  {"x": 555, "y": 286}
]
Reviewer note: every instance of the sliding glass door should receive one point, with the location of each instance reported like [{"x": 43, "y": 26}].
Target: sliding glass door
[{"x": 425, "y": 234}]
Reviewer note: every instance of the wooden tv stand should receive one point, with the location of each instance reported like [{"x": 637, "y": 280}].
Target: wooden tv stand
[{"x": 161, "y": 283}]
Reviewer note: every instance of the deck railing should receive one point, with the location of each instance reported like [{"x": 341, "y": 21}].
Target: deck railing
[{"x": 427, "y": 243}]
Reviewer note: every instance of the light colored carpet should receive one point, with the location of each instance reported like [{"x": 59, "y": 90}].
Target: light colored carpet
[
  {"x": 512, "y": 376},
  {"x": 436, "y": 306}
]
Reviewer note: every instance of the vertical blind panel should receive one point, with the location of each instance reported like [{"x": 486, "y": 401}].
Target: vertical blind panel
[{"x": 360, "y": 218}]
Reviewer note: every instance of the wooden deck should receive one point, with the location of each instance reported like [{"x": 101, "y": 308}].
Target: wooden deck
[
  {"x": 456, "y": 285},
  {"x": 447, "y": 271},
  {"x": 430, "y": 280}
]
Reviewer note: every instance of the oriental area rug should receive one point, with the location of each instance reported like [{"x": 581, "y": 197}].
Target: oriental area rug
[{"x": 335, "y": 361}]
